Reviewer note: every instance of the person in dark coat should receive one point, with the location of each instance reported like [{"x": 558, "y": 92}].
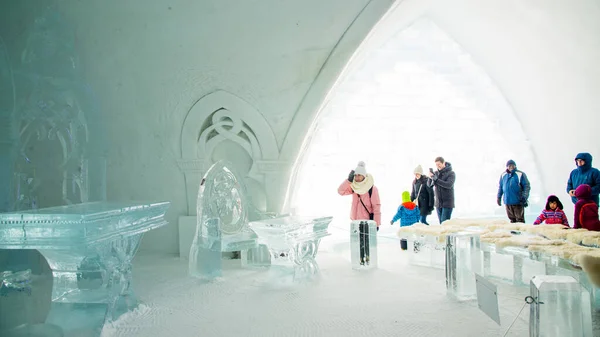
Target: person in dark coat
[
  {"x": 584, "y": 174},
  {"x": 442, "y": 181},
  {"x": 514, "y": 188},
  {"x": 422, "y": 194}
]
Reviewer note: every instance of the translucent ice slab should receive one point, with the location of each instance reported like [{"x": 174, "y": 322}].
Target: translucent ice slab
[
  {"x": 463, "y": 260},
  {"x": 426, "y": 251},
  {"x": 89, "y": 248},
  {"x": 363, "y": 244},
  {"x": 293, "y": 242},
  {"x": 78, "y": 225},
  {"x": 561, "y": 307}
]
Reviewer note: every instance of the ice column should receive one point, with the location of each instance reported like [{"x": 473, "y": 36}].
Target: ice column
[
  {"x": 463, "y": 260},
  {"x": 363, "y": 244},
  {"x": 561, "y": 307}
]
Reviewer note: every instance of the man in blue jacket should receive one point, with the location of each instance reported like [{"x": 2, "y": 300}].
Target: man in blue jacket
[
  {"x": 584, "y": 174},
  {"x": 515, "y": 187}
]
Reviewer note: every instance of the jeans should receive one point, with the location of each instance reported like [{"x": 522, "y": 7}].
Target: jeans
[
  {"x": 444, "y": 214},
  {"x": 423, "y": 219}
]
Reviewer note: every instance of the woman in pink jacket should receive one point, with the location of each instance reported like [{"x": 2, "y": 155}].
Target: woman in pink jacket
[
  {"x": 365, "y": 204},
  {"x": 365, "y": 196}
]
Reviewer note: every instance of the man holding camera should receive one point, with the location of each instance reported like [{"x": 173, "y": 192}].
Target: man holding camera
[{"x": 442, "y": 181}]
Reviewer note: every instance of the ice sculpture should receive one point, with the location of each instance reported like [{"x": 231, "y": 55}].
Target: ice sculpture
[
  {"x": 363, "y": 244},
  {"x": 8, "y": 129},
  {"x": 293, "y": 242},
  {"x": 222, "y": 221},
  {"x": 463, "y": 260},
  {"x": 89, "y": 248},
  {"x": 560, "y": 307},
  {"x": 50, "y": 117},
  {"x": 223, "y": 225},
  {"x": 19, "y": 281}
]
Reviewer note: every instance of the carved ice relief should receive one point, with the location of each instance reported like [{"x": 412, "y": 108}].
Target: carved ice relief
[{"x": 222, "y": 126}]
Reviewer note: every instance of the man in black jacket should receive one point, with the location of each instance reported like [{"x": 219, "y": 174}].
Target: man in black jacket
[{"x": 442, "y": 182}]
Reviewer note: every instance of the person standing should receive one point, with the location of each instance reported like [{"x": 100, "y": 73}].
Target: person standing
[
  {"x": 584, "y": 174},
  {"x": 422, "y": 194},
  {"x": 442, "y": 181},
  {"x": 366, "y": 204},
  {"x": 586, "y": 210},
  {"x": 514, "y": 189}
]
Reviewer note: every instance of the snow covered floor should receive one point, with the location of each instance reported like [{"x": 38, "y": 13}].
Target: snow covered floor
[{"x": 396, "y": 299}]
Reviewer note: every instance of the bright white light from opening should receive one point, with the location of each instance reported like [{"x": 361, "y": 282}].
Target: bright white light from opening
[{"x": 417, "y": 97}]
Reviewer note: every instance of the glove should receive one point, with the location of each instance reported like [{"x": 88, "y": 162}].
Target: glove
[
  {"x": 351, "y": 176},
  {"x": 499, "y": 201},
  {"x": 525, "y": 204},
  {"x": 391, "y": 223},
  {"x": 378, "y": 228}
]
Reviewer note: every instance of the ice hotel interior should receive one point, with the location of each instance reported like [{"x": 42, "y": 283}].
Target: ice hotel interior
[{"x": 198, "y": 167}]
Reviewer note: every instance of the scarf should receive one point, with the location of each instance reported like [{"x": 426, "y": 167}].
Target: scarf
[{"x": 364, "y": 186}]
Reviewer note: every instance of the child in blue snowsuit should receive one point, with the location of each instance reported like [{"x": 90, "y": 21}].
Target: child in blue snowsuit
[{"x": 408, "y": 212}]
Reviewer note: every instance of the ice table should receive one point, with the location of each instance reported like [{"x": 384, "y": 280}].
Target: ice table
[
  {"x": 89, "y": 248},
  {"x": 293, "y": 243}
]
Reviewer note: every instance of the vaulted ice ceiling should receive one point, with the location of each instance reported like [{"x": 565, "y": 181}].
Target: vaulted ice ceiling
[{"x": 159, "y": 70}]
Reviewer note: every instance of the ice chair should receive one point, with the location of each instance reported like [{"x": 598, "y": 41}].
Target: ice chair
[{"x": 223, "y": 211}]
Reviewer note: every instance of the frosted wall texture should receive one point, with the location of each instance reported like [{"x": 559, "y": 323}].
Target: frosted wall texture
[{"x": 126, "y": 87}]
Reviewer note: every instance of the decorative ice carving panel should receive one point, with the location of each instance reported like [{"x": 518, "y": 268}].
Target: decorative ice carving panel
[
  {"x": 51, "y": 106},
  {"x": 215, "y": 120}
]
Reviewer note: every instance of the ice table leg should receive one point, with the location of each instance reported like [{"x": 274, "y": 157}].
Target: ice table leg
[
  {"x": 561, "y": 307},
  {"x": 296, "y": 261},
  {"x": 463, "y": 260},
  {"x": 363, "y": 244},
  {"x": 98, "y": 275},
  {"x": 256, "y": 257}
]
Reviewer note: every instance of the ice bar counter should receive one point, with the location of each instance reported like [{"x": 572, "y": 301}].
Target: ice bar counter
[{"x": 89, "y": 248}]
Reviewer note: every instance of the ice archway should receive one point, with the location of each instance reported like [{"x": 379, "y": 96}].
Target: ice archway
[{"x": 417, "y": 96}]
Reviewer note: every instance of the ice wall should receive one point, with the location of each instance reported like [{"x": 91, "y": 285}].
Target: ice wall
[
  {"x": 153, "y": 66},
  {"x": 149, "y": 63}
]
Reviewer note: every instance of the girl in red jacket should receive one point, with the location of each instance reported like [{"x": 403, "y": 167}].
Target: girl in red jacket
[
  {"x": 586, "y": 209},
  {"x": 553, "y": 214}
]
